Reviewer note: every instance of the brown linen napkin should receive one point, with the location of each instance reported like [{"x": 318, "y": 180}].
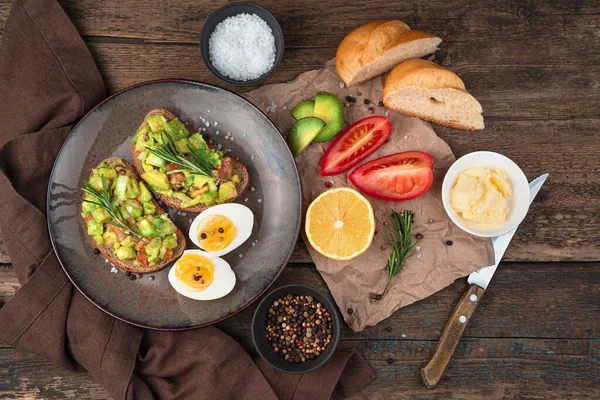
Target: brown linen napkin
[
  {"x": 355, "y": 284},
  {"x": 48, "y": 81}
]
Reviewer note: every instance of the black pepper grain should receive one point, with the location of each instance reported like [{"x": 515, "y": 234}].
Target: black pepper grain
[
  {"x": 380, "y": 104},
  {"x": 419, "y": 236},
  {"x": 221, "y": 230},
  {"x": 350, "y": 99},
  {"x": 203, "y": 236},
  {"x": 296, "y": 326},
  {"x": 96, "y": 251},
  {"x": 127, "y": 273},
  {"x": 151, "y": 277},
  {"x": 366, "y": 101},
  {"x": 449, "y": 242}
]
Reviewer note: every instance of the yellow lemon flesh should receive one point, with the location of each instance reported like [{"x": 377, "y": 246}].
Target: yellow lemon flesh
[{"x": 340, "y": 224}]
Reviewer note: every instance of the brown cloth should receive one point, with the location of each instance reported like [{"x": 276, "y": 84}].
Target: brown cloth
[
  {"x": 48, "y": 81},
  {"x": 356, "y": 284}
]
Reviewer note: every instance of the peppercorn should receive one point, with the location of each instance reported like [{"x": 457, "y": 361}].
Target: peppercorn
[
  {"x": 203, "y": 236},
  {"x": 449, "y": 242},
  {"x": 298, "y": 328},
  {"x": 366, "y": 101},
  {"x": 380, "y": 104},
  {"x": 151, "y": 277},
  {"x": 96, "y": 251},
  {"x": 350, "y": 99},
  {"x": 127, "y": 273},
  {"x": 328, "y": 184},
  {"x": 221, "y": 230},
  {"x": 419, "y": 236}
]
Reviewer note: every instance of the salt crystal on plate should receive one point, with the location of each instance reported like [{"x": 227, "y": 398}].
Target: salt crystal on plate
[
  {"x": 418, "y": 248},
  {"x": 419, "y": 256},
  {"x": 207, "y": 110},
  {"x": 259, "y": 200},
  {"x": 217, "y": 132},
  {"x": 252, "y": 157},
  {"x": 342, "y": 85},
  {"x": 242, "y": 47},
  {"x": 114, "y": 270},
  {"x": 215, "y": 123}
]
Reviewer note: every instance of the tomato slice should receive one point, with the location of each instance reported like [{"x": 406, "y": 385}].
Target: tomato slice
[
  {"x": 354, "y": 144},
  {"x": 397, "y": 177},
  {"x": 142, "y": 257}
]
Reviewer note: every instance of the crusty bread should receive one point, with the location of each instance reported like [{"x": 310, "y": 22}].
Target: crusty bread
[
  {"x": 375, "y": 48},
  {"x": 110, "y": 255},
  {"x": 426, "y": 90},
  {"x": 238, "y": 168}
]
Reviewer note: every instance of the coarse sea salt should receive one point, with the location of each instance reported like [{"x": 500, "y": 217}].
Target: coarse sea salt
[{"x": 242, "y": 47}]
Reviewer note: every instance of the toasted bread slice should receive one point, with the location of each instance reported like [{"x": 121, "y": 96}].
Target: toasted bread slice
[
  {"x": 238, "y": 168},
  {"x": 110, "y": 255}
]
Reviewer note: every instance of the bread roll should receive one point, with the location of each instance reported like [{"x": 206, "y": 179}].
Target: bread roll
[
  {"x": 426, "y": 90},
  {"x": 375, "y": 48}
]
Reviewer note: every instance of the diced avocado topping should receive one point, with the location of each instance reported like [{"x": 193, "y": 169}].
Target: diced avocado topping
[
  {"x": 146, "y": 228},
  {"x": 151, "y": 159},
  {"x": 227, "y": 191},
  {"x": 157, "y": 179},
  {"x": 130, "y": 203},
  {"x": 182, "y": 145},
  {"x": 126, "y": 253},
  {"x": 156, "y": 122},
  {"x": 94, "y": 228},
  {"x": 145, "y": 194},
  {"x": 163, "y": 175},
  {"x": 100, "y": 215}
]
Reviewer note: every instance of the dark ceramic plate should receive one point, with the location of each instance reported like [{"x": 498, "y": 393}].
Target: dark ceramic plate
[
  {"x": 106, "y": 132},
  {"x": 264, "y": 348}
]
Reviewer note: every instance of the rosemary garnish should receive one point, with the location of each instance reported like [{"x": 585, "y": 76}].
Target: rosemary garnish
[
  {"x": 404, "y": 245},
  {"x": 105, "y": 201},
  {"x": 201, "y": 163}
]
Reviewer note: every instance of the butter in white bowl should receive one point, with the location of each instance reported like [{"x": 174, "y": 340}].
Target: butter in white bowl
[
  {"x": 481, "y": 195},
  {"x": 485, "y": 194}
]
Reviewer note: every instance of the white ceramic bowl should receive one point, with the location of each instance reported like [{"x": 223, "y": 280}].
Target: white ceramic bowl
[{"x": 518, "y": 203}]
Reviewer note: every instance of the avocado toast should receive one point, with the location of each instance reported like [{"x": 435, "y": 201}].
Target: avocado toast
[
  {"x": 124, "y": 221},
  {"x": 181, "y": 168}
]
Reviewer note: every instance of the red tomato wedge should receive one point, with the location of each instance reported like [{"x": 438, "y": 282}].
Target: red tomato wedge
[
  {"x": 397, "y": 177},
  {"x": 354, "y": 144}
]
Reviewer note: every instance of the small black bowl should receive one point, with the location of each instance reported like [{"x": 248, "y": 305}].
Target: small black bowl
[
  {"x": 264, "y": 348},
  {"x": 234, "y": 9}
]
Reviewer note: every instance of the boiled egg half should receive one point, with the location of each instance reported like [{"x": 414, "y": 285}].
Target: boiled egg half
[
  {"x": 201, "y": 276},
  {"x": 223, "y": 228}
]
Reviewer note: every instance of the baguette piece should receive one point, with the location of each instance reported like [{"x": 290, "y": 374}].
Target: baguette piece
[
  {"x": 238, "y": 168},
  {"x": 108, "y": 252},
  {"x": 375, "y": 48},
  {"x": 423, "y": 89}
]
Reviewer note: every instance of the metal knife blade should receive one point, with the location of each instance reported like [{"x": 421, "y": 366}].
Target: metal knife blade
[{"x": 483, "y": 276}]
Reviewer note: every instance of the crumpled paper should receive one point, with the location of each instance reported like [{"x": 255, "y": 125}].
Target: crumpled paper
[{"x": 359, "y": 286}]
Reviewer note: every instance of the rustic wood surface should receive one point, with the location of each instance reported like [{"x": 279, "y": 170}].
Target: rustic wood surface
[{"x": 535, "y": 67}]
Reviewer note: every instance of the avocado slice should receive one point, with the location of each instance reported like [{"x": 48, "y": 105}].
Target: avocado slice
[
  {"x": 303, "y": 109},
  {"x": 157, "y": 179},
  {"x": 329, "y": 109},
  {"x": 303, "y": 132}
]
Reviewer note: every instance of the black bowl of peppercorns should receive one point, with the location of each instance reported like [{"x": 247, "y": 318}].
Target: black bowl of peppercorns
[{"x": 295, "y": 329}]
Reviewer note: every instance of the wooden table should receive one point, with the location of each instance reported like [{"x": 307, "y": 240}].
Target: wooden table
[{"x": 535, "y": 67}]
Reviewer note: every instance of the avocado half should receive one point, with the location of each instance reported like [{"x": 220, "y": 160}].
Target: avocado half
[
  {"x": 304, "y": 109},
  {"x": 330, "y": 110},
  {"x": 303, "y": 133}
]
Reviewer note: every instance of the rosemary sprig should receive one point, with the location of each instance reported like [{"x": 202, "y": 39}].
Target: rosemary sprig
[
  {"x": 401, "y": 248},
  {"x": 105, "y": 201},
  {"x": 201, "y": 163}
]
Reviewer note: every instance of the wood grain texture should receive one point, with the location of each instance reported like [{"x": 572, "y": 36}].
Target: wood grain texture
[
  {"x": 515, "y": 345},
  {"x": 535, "y": 67}
]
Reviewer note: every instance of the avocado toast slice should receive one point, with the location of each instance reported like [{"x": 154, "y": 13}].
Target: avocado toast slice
[
  {"x": 153, "y": 240},
  {"x": 204, "y": 177}
]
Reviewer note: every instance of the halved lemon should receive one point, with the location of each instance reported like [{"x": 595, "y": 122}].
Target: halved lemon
[{"x": 340, "y": 224}]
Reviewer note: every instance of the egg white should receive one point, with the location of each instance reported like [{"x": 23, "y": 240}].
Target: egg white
[
  {"x": 223, "y": 282},
  {"x": 241, "y": 216}
]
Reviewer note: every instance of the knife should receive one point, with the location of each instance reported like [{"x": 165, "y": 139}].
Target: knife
[{"x": 479, "y": 280}]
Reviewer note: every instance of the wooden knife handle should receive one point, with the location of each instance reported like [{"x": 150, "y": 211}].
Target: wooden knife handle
[{"x": 433, "y": 371}]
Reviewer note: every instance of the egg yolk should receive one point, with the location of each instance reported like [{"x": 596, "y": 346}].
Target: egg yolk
[
  {"x": 195, "y": 270},
  {"x": 216, "y": 232}
]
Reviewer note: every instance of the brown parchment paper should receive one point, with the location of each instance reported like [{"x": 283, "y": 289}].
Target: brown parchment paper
[{"x": 355, "y": 283}]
